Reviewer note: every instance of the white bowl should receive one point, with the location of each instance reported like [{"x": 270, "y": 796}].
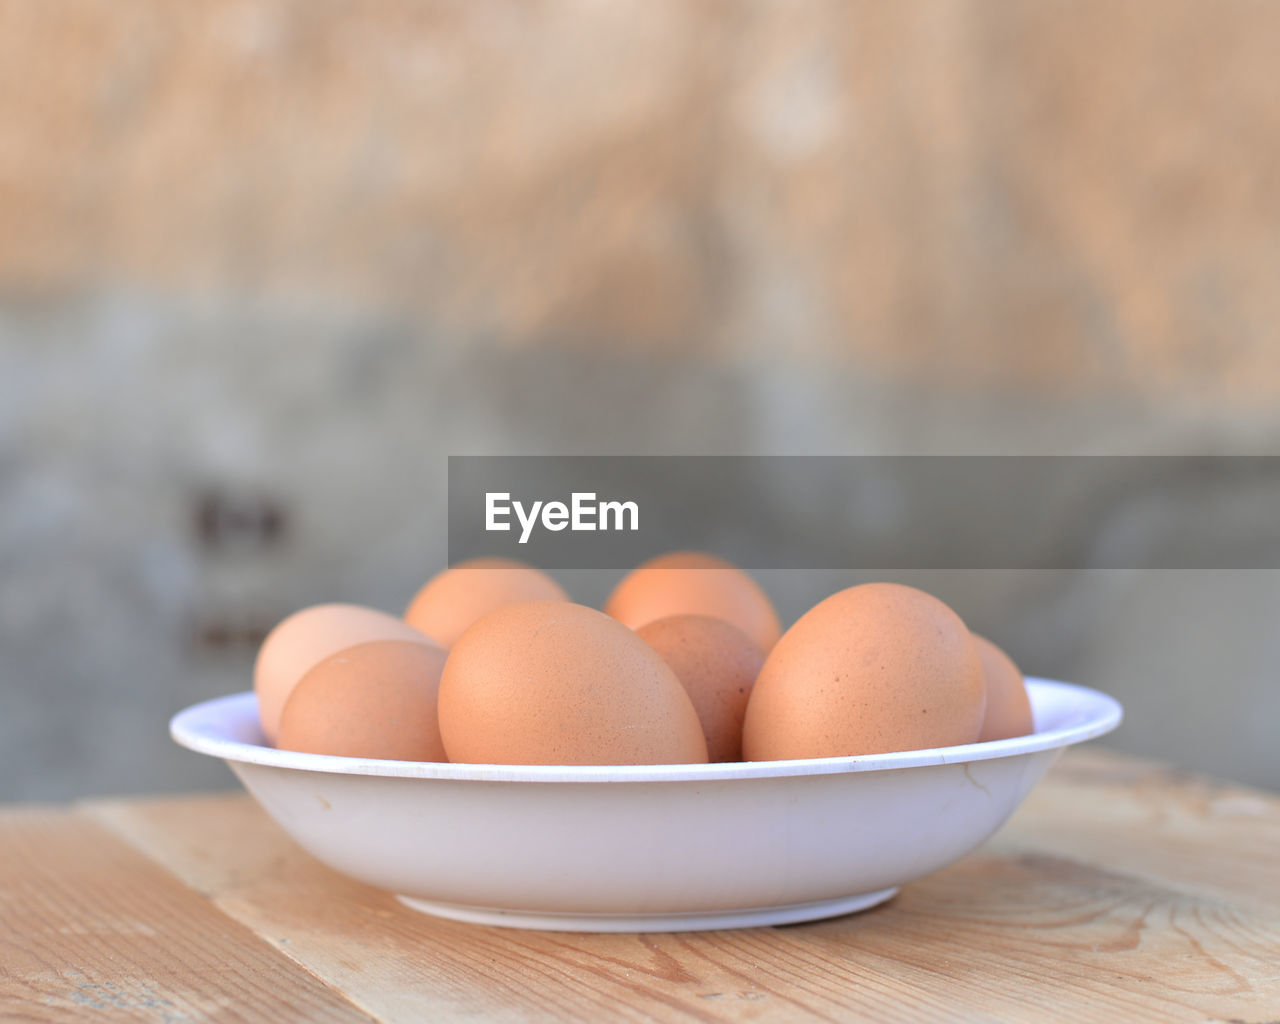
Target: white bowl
[{"x": 646, "y": 848}]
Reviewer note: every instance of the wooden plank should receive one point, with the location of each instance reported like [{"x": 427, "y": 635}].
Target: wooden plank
[
  {"x": 90, "y": 930},
  {"x": 1021, "y": 931},
  {"x": 1218, "y": 839}
]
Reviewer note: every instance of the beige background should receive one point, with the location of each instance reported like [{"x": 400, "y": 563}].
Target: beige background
[{"x": 269, "y": 263}]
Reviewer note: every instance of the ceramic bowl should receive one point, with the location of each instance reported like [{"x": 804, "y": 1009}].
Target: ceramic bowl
[{"x": 646, "y": 848}]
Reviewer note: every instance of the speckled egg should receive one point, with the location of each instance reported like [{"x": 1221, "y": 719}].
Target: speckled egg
[
  {"x": 307, "y": 637},
  {"x": 871, "y": 669},
  {"x": 717, "y": 664},
  {"x": 550, "y": 682},
  {"x": 693, "y": 583},
  {"x": 454, "y": 599},
  {"x": 372, "y": 700},
  {"x": 1008, "y": 706}
]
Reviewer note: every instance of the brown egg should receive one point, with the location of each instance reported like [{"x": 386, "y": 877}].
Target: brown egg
[
  {"x": 372, "y": 700},
  {"x": 309, "y": 636},
  {"x": 551, "y": 682},
  {"x": 871, "y": 669},
  {"x": 692, "y": 583},
  {"x": 717, "y": 663},
  {"x": 455, "y": 598},
  {"x": 1008, "y": 706}
]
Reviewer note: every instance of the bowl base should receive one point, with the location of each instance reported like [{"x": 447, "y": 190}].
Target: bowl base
[{"x": 751, "y": 917}]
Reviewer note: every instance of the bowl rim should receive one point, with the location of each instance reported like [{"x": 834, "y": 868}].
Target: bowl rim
[{"x": 203, "y": 728}]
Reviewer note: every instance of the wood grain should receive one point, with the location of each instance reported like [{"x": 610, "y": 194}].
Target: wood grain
[
  {"x": 1058, "y": 919},
  {"x": 1218, "y": 839},
  {"x": 91, "y": 930}
]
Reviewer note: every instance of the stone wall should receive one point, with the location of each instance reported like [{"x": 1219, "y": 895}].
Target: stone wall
[{"x": 274, "y": 261}]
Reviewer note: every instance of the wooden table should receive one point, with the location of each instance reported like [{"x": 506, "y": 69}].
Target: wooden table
[{"x": 1122, "y": 890}]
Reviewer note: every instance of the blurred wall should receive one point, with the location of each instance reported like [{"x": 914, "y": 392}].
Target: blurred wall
[{"x": 263, "y": 265}]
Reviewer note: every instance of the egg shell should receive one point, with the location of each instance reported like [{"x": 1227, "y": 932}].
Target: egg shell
[
  {"x": 307, "y": 637},
  {"x": 693, "y": 583},
  {"x": 872, "y": 669},
  {"x": 717, "y": 664},
  {"x": 1008, "y": 706},
  {"x": 452, "y": 600},
  {"x": 550, "y": 682},
  {"x": 373, "y": 700}
]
